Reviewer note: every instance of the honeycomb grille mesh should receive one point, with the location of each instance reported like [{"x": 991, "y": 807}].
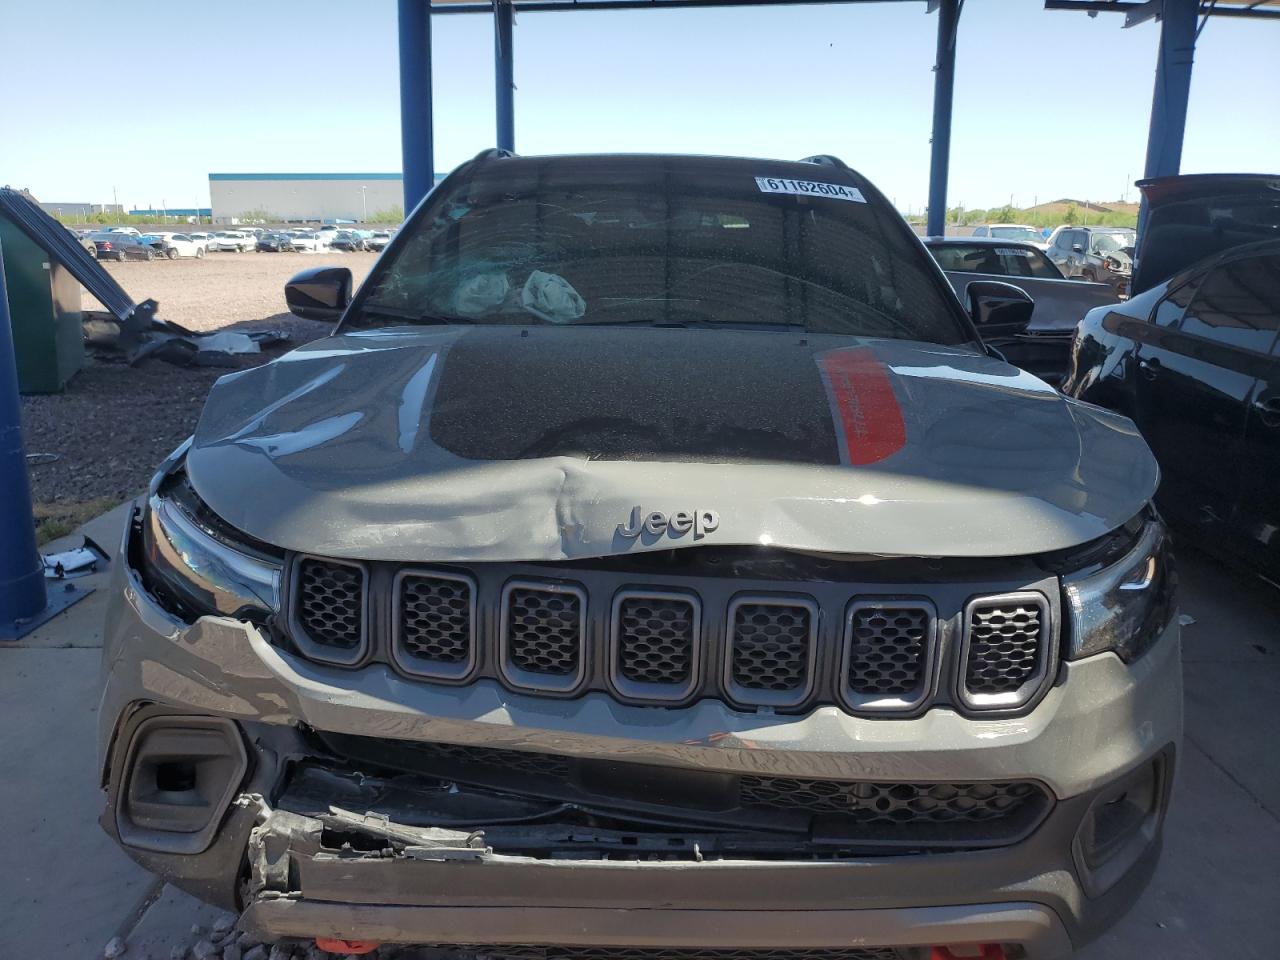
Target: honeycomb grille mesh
[
  {"x": 1004, "y": 646},
  {"x": 771, "y": 646},
  {"x": 435, "y": 618},
  {"x": 330, "y": 604},
  {"x": 531, "y": 952},
  {"x": 544, "y": 631},
  {"x": 888, "y": 650},
  {"x": 656, "y": 639},
  {"x": 885, "y": 803}
]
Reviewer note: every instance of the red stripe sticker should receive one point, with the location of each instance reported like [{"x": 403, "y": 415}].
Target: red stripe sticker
[{"x": 863, "y": 406}]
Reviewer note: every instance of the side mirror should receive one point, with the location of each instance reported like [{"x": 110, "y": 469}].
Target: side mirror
[
  {"x": 999, "y": 309},
  {"x": 321, "y": 293}
]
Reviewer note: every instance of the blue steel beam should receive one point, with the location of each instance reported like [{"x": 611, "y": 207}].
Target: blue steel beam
[
  {"x": 22, "y": 591},
  {"x": 504, "y": 75},
  {"x": 416, "y": 144},
  {"x": 1176, "y": 53},
  {"x": 944, "y": 73},
  {"x": 1172, "y": 89}
]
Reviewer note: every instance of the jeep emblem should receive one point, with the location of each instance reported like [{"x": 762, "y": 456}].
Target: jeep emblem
[{"x": 655, "y": 523}]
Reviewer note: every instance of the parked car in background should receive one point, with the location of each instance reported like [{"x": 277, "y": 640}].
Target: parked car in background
[
  {"x": 309, "y": 242},
  {"x": 1010, "y": 231},
  {"x": 378, "y": 239},
  {"x": 175, "y": 245},
  {"x": 760, "y": 610},
  {"x": 122, "y": 246},
  {"x": 85, "y": 239},
  {"x": 1193, "y": 358},
  {"x": 204, "y": 238},
  {"x": 275, "y": 243},
  {"x": 347, "y": 240},
  {"x": 1099, "y": 254},
  {"x": 325, "y": 234},
  {"x": 1044, "y": 347},
  {"x": 233, "y": 240},
  {"x": 131, "y": 231}
]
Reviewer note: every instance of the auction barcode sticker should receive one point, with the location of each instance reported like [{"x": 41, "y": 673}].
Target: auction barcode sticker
[{"x": 810, "y": 188}]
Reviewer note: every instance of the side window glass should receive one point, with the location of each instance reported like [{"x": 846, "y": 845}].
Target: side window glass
[
  {"x": 1238, "y": 304},
  {"x": 1169, "y": 311}
]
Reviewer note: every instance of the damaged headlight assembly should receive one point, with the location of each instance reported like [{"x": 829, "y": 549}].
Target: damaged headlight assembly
[
  {"x": 195, "y": 563},
  {"x": 1126, "y": 605}
]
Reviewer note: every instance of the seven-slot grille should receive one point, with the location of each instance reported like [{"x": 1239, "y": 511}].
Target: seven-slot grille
[
  {"x": 761, "y": 649},
  {"x": 1006, "y": 649}
]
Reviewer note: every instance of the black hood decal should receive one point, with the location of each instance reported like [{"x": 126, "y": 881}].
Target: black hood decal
[{"x": 633, "y": 394}]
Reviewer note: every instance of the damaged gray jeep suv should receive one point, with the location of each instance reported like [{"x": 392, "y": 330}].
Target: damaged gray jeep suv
[{"x": 653, "y": 563}]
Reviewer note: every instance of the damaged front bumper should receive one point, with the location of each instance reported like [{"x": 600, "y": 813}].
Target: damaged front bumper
[{"x": 321, "y": 835}]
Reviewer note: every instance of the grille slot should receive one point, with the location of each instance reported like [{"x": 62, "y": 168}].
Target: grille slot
[
  {"x": 655, "y": 639},
  {"x": 771, "y": 650},
  {"x": 1006, "y": 650},
  {"x": 329, "y": 609},
  {"x": 888, "y": 654},
  {"x": 435, "y": 624},
  {"x": 543, "y": 626}
]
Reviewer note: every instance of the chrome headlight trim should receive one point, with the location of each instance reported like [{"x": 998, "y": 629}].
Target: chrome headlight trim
[
  {"x": 1124, "y": 607},
  {"x": 206, "y": 575}
]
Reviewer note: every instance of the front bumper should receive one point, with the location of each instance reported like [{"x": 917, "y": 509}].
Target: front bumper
[{"x": 1100, "y": 722}]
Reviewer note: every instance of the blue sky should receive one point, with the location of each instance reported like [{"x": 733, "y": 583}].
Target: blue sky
[{"x": 150, "y": 97}]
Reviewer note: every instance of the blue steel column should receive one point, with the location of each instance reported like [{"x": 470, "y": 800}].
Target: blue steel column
[
  {"x": 944, "y": 72},
  {"x": 415, "y": 101},
  {"x": 22, "y": 593},
  {"x": 1172, "y": 91},
  {"x": 504, "y": 75}
]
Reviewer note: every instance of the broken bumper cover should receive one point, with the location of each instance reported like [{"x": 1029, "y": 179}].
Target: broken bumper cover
[{"x": 298, "y": 875}]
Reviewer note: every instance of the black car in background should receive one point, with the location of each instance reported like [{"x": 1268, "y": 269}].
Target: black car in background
[
  {"x": 347, "y": 240},
  {"x": 276, "y": 243},
  {"x": 1044, "y": 347},
  {"x": 1194, "y": 358},
  {"x": 122, "y": 246}
]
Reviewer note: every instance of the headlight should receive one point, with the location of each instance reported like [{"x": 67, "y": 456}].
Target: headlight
[
  {"x": 1127, "y": 604},
  {"x": 195, "y": 566}
]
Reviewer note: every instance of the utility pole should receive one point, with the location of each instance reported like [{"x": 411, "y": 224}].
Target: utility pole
[{"x": 364, "y": 202}]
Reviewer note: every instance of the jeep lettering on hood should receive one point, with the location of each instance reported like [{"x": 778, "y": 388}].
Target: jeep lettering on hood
[{"x": 537, "y": 443}]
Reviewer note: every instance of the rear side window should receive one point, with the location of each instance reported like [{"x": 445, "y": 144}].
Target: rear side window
[{"x": 1238, "y": 304}]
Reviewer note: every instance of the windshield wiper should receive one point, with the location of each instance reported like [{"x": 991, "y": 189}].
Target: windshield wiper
[
  {"x": 685, "y": 324},
  {"x": 409, "y": 316}
]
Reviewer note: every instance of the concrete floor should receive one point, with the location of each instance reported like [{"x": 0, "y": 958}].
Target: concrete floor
[{"x": 67, "y": 889}]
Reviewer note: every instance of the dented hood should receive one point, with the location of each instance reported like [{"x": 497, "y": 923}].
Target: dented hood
[{"x": 506, "y": 443}]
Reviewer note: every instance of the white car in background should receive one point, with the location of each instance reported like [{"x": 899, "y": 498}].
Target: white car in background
[
  {"x": 308, "y": 242},
  {"x": 233, "y": 240},
  {"x": 175, "y": 245}
]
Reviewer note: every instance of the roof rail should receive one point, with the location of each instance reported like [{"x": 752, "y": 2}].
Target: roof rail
[{"x": 826, "y": 160}]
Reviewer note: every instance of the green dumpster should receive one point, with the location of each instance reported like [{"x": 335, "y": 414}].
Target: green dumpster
[{"x": 44, "y": 306}]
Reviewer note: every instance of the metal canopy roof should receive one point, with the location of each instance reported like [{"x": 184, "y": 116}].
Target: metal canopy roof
[
  {"x": 1139, "y": 11},
  {"x": 552, "y": 6}
]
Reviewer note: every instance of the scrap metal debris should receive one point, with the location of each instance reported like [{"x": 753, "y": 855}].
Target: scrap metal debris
[{"x": 76, "y": 562}]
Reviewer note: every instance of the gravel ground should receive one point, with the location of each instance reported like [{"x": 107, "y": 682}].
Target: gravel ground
[{"x": 114, "y": 423}]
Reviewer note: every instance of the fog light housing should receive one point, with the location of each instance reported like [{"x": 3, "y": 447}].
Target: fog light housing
[
  {"x": 179, "y": 776},
  {"x": 1121, "y": 823}
]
